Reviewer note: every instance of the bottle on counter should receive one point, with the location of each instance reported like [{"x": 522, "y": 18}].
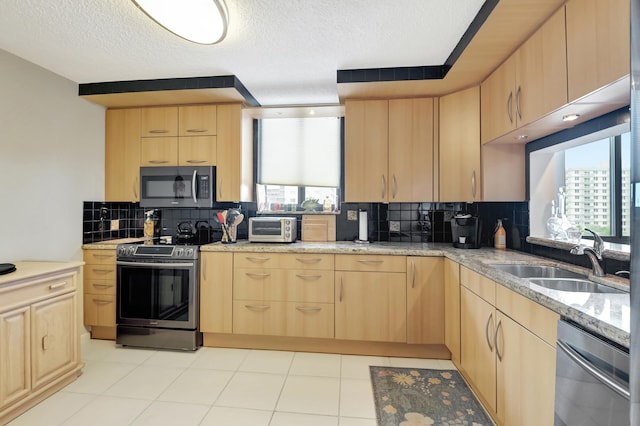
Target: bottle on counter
[
  {"x": 326, "y": 207},
  {"x": 500, "y": 236},
  {"x": 148, "y": 227}
]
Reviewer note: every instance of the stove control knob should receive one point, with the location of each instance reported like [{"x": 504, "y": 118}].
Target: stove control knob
[
  {"x": 189, "y": 252},
  {"x": 131, "y": 250},
  {"x": 179, "y": 252},
  {"x": 122, "y": 251}
]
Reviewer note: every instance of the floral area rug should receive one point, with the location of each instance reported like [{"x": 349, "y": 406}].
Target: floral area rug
[{"x": 413, "y": 397}]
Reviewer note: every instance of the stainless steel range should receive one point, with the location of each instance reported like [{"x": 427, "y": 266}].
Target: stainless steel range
[{"x": 158, "y": 291}]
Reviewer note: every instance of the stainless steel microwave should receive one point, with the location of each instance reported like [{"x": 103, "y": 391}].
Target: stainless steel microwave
[
  {"x": 273, "y": 229},
  {"x": 177, "y": 186}
]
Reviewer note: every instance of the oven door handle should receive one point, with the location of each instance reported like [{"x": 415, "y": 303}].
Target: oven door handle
[
  {"x": 155, "y": 265},
  {"x": 593, "y": 370},
  {"x": 194, "y": 186}
]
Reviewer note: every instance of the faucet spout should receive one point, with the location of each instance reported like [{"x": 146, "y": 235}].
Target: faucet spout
[{"x": 593, "y": 253}]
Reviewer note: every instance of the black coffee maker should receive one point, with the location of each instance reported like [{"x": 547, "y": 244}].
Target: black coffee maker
[{"x": 466, "y": 230}]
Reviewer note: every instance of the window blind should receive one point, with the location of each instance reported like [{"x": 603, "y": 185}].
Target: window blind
[{"x": 300, "y": 152}]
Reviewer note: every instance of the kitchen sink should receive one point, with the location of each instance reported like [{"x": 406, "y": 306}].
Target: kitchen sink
[
  {"x": 573, "y": 284},
  {"x": 537, "y": 271}
]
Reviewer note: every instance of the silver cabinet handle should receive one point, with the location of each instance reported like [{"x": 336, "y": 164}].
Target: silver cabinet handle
[
  {"x": 257, "y": 259},
  {"x": 96, "y": 285},
  {"x": 486, "y": 332},
  {"x": 158, "y": 161},
  {"x": 413, "y": 274},
  {"x": 102, "y": 271},
  {"x": 253, "y": 275},
  {"x": 518, "y": 95},
  {"x": 593, "y": 370},
  {"x": 59, "y": 285},
  {"x": 156, "y": 131},
  {"x": 509, "y": 107},
  {"x": 394, "y": 187},
  {"x": 309, "y": 277},
  {"x": 305, "y": 309},
  {"x": 340, "y": 288},
  {"x": 135, "y": 187},
  {"x": 194, "y": 186},
  {"x": 495, "y": 340},
  {"x": 103, "y": 256},
  {"x": 384, "y": 187},
  {"x": 196, "y": 161},
  {"x": 473, "y": 184},
  {"x": 220, "y": 187},
  {"x": 102, "y": 301},
  {"x": 196, "y": 130},
  {"x": 204, "y": 267},
  {"x": 371, "y": 261},
  {"x": 259, "y": 307},
  {"x": 308, "y": 260}
]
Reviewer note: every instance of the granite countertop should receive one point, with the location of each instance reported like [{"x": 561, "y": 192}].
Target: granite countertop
[
  {"x": 29, "y": 269},
  {"x": 605, "y": 314},
  {"x": 110, "y": 244}
]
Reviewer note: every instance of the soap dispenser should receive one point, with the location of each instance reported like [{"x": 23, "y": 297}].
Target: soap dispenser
[
  {"x": 148, "y": 227},
  {"x": 500, "y": 236}
]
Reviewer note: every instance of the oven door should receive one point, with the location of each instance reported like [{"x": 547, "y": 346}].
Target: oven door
[{"x": 157, "y": 294}]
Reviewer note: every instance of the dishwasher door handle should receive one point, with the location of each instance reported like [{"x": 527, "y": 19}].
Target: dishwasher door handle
[{"x": 593, "y": 370}]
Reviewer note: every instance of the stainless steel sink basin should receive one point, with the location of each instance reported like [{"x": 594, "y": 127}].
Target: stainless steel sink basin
[
  {"x": 537, "y": 271},
  {"x": 573, "y": 284}
]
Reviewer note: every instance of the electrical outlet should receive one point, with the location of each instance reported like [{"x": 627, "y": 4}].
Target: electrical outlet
[
  {"x": 394, "y": 226},
  {"x": 115, "y": 224},
  {"x": 352, "y": 215}
]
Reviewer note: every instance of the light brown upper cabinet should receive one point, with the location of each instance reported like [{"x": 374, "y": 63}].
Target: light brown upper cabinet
[
  {"x": 389, "y": 150},
  {"x": 459, "y": 147},
  {"x": 529, "y": 84},
  {"x": 234, "y": 152},
  {"x": 197, "y": 120},
  {"x": 159, "y": 121},
  {"x": 597, "y": 44},
  {"x": 122, "y": 155}
]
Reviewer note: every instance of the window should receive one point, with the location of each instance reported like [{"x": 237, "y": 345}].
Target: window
[
  {"x": 298, "y": 164},
  {"x": 592, "y": 172}
]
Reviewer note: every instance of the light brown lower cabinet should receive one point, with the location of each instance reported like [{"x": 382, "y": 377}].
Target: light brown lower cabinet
[
  {"x": 100, "y": 293},
  {"x": 425, "y": 300},
  {"x": 216, "y": 290},
  {"x": 39, "y": 341},
  {"x": 507, "y": 351}
]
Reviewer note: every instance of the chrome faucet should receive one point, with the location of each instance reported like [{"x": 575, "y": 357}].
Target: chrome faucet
[{"x": 593, "y": 253}]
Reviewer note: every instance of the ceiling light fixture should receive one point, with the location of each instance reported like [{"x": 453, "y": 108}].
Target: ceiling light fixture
[
  {"x": 570, "y": 117},
  {"x": 200, "y": 21}
]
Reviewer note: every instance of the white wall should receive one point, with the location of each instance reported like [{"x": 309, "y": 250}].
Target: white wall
[{"x": 51, "y": 160}]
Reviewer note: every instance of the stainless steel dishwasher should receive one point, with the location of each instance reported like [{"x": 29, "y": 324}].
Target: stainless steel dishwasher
[{"x": 592, "y": 379}]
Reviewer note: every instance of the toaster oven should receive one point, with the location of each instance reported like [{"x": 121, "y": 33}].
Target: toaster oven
[{"x": 273, "y": 229}]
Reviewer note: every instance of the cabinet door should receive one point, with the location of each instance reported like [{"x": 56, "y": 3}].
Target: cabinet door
[
  {"x": 460, "y": 178},
  {"x": 159, "y": 152},
  {"x": 234, "y": 155},
  {"x": 425, "y": 300},
  {"x": 100, "y": 310},
  {"x": 197, "y": 151},
  {"x": 15, "y": 355},
  {"x": 478, "y": 360},
  {"x": 310, "y": 320},
  {"x": 371, "y": 306},
  {"x": 452, "y": 309},
  {"x": 54, "y": 340},
  {"x": 597, "y": 44},
  {"x": 159, "y": 121},
  {"x": 216, "y": 292},
  {"x": 366, "y": 151},
  {"x": 411, "y": 150},
  {"x": 197, "y": 120},
  {"x": 122, "y": 155},
  {"x": 498, "y": 101},
  {"x": 525, "y": 375},
  {"x": 541, "y": 71}
]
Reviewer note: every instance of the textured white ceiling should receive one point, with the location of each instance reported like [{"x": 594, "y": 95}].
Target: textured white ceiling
[{"x": 286, "y": 52}]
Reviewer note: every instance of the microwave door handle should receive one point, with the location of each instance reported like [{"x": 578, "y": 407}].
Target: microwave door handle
[{"x": 193, "y": 187}]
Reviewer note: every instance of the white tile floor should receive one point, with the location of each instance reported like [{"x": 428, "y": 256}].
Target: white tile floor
[{"x": 215, "y": 386}]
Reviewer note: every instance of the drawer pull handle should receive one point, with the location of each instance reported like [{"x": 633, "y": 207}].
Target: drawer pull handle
[
  {"x": 308, "y": 277},
  {"x": 45, "y": 342},
  {"x": 252, "y": 275},
  {"x": 158, "y": 161},
  {"x": 371, "y": 261},
  {"x": 304, "y": 309},
  {"x": 158, "y": 131},
  {"x": 102, "y": 301},
  {"x": 486, "y": 332},
  {"x": 258, "y": 307},
  {"x": 312, "y": 260},
  {"x": 105, "y": 256},
  {"x": 257, "y": 259},
  {"x": 196, "y": 161},
  {"x": 102, "y": 285},
  {"x": 102, "y": 271},
  {"x": 196, "y": 130},
  {"x": 495, "y": 341},
  {"x": 341, "y": 288},
  {"x": 54, "y": 286}
]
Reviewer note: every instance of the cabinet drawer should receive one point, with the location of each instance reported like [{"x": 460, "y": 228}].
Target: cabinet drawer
[
  {"x": 100, "y": 272},
  {"x": 292, "y": 285},
  {"x": 479, "y": 284},
  {"x": 98, "y": 286},
  {"x": 100, "y": 257},
  {"x": 536, "y": 318},
  {"x": 310, "y": 320},
  {"x": 371, "y": 263},
  {"x": 38, "y": 289},
  {"x": 100, "y": 310},
  {"x": 284, "y": 261}
]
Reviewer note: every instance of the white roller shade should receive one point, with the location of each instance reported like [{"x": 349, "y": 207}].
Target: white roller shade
[{"x": 300, "y": 152}]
